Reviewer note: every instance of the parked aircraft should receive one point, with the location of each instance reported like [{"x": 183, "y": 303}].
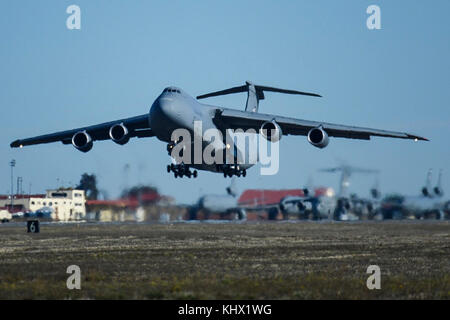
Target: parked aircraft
[
  {"x": 426, "y": 205},
  {"x": 316, "y": 203},
  {"x": 175, "y": 109},
  {"x": 224, "y": 204},
  {"x": 352, "y": 207},
  {"x": 227, "y": 204},
  {"x": 301, "y": 206},
  {"x": 367, "y": 208},
  {"x": 308, "y": 203}
]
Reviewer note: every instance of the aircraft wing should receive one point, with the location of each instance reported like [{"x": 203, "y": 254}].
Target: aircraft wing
[
  {"x": 236, "y": 119},
  {"x": 350, "y": 169},
  {"x": 300, "y": 199},
  {"x": 138, "y": 127}
]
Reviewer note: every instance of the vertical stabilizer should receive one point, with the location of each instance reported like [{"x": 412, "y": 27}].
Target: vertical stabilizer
[
  {"x": 232, "y": 189},
  {"x": 438, "y": 191},
  {"x": 375, "y": 191},
  {"x": 426, "y": 191},
  {"x": 252, "y": 104}
]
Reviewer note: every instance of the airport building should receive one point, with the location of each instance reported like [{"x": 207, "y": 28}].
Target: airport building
[
  {"x": 147, "y": 206},
  {"x": 61, "y": 204}
]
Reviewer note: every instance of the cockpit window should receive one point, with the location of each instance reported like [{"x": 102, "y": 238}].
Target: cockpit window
[{"x": 172, "y": 90}]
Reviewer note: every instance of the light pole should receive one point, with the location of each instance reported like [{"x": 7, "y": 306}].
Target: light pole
[
  {"x": 19, "y": 185},
  {"x": 12, "y": 164}
]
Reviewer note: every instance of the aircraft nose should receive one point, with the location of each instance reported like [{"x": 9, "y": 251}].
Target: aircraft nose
[
  {"x": 168, "y": 107},
  {"x": 162, "y": 107}
]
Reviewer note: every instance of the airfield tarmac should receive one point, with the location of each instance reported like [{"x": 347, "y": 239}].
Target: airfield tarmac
[{"x": 270, "y": 260}]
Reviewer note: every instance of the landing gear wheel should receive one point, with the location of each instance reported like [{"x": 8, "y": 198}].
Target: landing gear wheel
[
  {"x": 168, "y": 168},
  {"x": 175, "y": 175},
  {"x": 244, "y": 173},
  {"x": 195, "y": 173}
]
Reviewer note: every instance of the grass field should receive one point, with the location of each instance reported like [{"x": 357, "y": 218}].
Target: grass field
[{"x": 304, "y": 260}]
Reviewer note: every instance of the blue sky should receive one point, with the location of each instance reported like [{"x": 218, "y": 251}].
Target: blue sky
[{"x": 126, "y": 52}]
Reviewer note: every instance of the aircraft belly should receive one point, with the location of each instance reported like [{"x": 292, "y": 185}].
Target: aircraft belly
[
  {"x": 420, "y": 204},
  {"x": 219, "y": 203}
]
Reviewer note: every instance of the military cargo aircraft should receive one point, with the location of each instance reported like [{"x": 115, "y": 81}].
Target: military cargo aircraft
[
  {"x": 175, "y": 109},
  {"x": 351, "y": 206},
  {"x": 429, "y": 204},
  {"x": 223, "y": 204}
]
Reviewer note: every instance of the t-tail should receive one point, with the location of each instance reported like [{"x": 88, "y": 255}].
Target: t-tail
[{"x": 255, "y": 93}]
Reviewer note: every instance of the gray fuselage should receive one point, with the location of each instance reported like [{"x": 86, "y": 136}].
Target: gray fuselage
[{"x": 174, "y": 109}]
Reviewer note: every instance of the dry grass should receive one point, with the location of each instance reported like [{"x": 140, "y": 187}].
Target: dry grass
[{"x": 227, "y": 261}]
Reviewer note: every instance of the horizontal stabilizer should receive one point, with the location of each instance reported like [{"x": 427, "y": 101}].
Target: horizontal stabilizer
[{"x": 259, "y": 91}]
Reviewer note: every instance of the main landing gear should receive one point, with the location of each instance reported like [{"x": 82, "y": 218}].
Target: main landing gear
[
  {"x": 181, "y": 170},
  {"x": 230, "y": 170}
]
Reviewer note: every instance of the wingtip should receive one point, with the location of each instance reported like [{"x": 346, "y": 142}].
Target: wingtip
[
  {"x": 16, "y": 144},
  {"x": 418, "y": 138}
]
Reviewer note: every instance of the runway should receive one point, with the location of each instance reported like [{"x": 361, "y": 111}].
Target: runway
[{"x": 227, "y": 260}]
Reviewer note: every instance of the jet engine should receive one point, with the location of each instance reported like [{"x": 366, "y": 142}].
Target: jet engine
[
  {"x": 426, "y": 192},
  {"x": 318, "y": 137},
  {"x": 438, "y": 191},
  {"x": 376, "y": 194},
  {"x": 447, "y": 207},
  {"x": 119, "y": 134},
  {"x": 306, "y": 192},
  {"x": 301, "y": 206},
  {"x": 271, "y": 131},
  {"x": 82, "y": 141}
]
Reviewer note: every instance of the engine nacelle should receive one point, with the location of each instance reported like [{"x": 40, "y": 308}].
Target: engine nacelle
[
  {"x": 306, "y": 192},
  {"x": 301, "y": 206},
  {"x": 426, "y": 192},
  {"x": 119, "y": 134},
  {"x": 82, "y": 141},
  {"x": 447, "y": 206},
  {"x": 271, "y": 131},
  {"x": 376, "y": 194},
  {"x": 318, "y": 137},
  {"x": 438, "y": 191}
]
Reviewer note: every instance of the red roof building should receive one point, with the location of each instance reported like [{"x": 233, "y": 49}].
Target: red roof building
[{"x": 133, "y": 202}]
